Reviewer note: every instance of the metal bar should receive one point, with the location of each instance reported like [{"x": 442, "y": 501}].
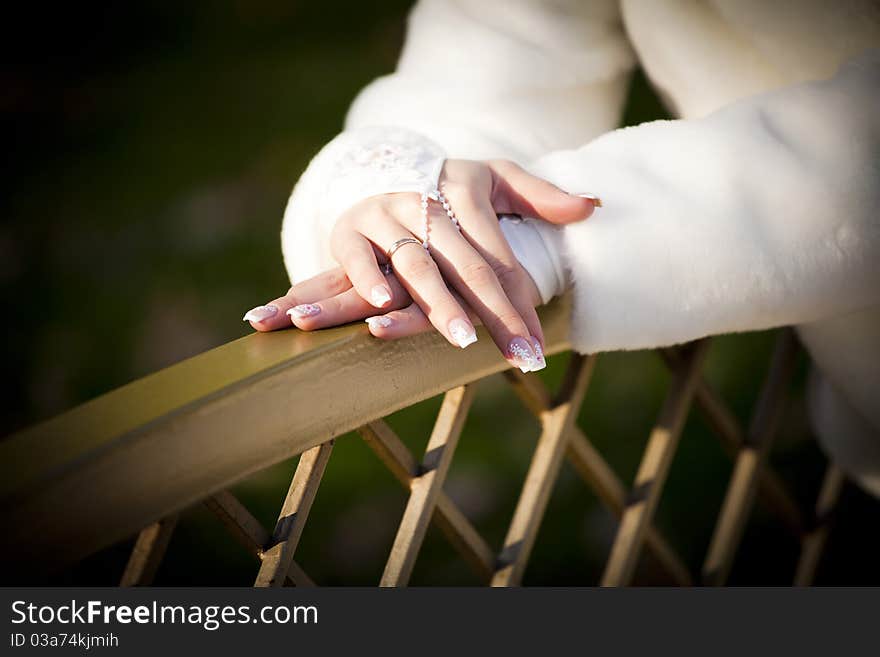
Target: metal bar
[
  {"x": 391, "y": 451},
  {"x": 425, "y": 488},
  {"x": 296, "y": 576},
  {"x": 449, "y": 519},
  {"x": 224, "y": 415},
  {"x": 598, "y": 475},
  {"x": 278, "y": 554},
  {"x": 148, "y": 551},
  {"x": 531, "y": 391},
  {"x": 248, "y": 532},
  {"x": 741, "y": 490},
  {"x": 814, "y": 542},
  {"x": 543, "y": 472},
  {"x": 772, "y": 491},
  {"x": 244, "y": 528},
  {"x": 654, "y": 468}
]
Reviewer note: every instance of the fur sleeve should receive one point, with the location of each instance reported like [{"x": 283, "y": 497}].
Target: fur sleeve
[
  {"x": 477, "y": 79},
  {"x": 766, "y": 213}
]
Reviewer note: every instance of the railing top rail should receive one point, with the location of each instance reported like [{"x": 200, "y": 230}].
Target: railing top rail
[
  {"x": 156, "y": 397},
  {"x": 107, "y": 468}
]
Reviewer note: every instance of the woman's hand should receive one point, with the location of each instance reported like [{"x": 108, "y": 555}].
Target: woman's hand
[
  {"x": 471, "y": 270},
  {"x": 328, "y": 300}
]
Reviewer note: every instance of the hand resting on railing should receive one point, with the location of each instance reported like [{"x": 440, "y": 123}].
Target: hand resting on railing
[{"x": 467, "y": 271}]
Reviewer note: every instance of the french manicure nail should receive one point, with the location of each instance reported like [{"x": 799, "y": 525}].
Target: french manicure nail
[
  {"x": 521, "y": 354},
  {"x": 304, "y": 310},
  {"x": 380, "y": 295},
  {"x": 379, "y": 321},
  {"x": 539, "y": 354},
  {"x": 462, "y": 332},
  {"x": 592, "y": 197},
  {"x": 260, "y": 313}
]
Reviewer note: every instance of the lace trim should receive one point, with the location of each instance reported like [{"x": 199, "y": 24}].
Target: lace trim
[
  {"x": 385, "y": 160},
  {"x": 391, "y": 159}
]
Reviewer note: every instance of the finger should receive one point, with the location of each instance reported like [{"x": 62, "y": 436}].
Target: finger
[
  {"x": 472, "y": 277},
  {"x": 401, "y": 323},
  {"x": 517, "y": 191},
  {"x": 481, "y": 229},
  {"x": 355, "y": 253},
  {"x": 409, "y": 320},
  {"x": 348, "y": 306},
  {"x": 419, "y": 274},
  {"x": 273, "y": 315}
]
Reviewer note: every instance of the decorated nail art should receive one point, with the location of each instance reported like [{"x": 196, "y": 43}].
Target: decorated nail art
[
  {"x": 521, "y": 354},
  {"x": 379, "y": 321},
  {"x": 304, "y": 310},
  {"x": 462, "y": 332},
  {"x": 260, "y": 313},
  {"x": 539, "y": 354},
  {"x": 379, "y": 296}
]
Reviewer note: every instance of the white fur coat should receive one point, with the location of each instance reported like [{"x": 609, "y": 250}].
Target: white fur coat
[{"x": 759, "y": 208}]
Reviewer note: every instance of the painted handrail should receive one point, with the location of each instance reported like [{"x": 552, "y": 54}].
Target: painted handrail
[{"x": 104, "y": 470}]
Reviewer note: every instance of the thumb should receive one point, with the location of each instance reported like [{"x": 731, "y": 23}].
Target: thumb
[{"x": 516, "y": 191}]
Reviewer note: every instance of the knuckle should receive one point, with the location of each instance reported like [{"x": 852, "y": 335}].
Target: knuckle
[
  {"x": 466, "y": 192},
  {"x": 389, "y": 204},
  {"x": 478, "y": 274},
  {"x": 361, "y": 215},
  {"x": 456, "y": 188},
  {"x": 399, "y": 204},
  {"x": 337, "y": 278},
  {"x": 508, "y": 274},
  {"x": 500, "y": 165},
  {"x": 373, "y": 215},
  {"x": 420, "y": 268},
  {"x": 340, "y": 241},
  {"x": 291, "y": 296},
  {"x": 352, "y": 256},
  {"x": 346, "y": 221}
]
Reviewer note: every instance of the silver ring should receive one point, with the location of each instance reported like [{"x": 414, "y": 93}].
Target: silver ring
[{"x": 399, "y": 243}]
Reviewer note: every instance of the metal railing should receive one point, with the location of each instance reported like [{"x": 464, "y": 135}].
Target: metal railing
[{"x": 130, "y": 461}]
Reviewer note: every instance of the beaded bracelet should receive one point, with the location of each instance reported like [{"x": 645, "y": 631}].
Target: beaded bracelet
[{"x": 438, "y": 197}]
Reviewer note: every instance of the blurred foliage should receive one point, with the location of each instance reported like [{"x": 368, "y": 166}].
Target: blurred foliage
[{"x": 150, "y": 148}]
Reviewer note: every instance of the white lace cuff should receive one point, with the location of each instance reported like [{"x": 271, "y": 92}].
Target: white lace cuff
[{"x": 377, "y": 160}]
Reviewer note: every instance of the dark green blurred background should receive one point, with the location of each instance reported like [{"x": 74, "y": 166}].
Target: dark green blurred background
[{"x": 149, "y": 152}]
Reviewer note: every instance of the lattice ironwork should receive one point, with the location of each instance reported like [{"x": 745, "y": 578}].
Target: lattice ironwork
[{"x": 752, "y": 479}]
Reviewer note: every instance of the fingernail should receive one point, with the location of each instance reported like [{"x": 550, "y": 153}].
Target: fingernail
[
  {"x": 462, "y": 332},
  {"x": 260, "y": 313},
  {"x": 521, "y": 354},
  {"x": 304, "y": 310},
  {"x": 380, "y": 295},
  {"x": 597, "y": 202},
  {"x": 539, "y": 354},
  {"x": 379, "y": 321}
]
